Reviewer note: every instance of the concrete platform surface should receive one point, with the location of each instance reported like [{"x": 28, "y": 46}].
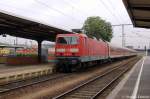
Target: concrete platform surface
[
  {"x": 136, "y": 84},
  {"x": 12, "y": 73}
]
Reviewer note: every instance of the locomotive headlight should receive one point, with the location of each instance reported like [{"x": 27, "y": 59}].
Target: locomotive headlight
[
  {"x": 73, "y": 50},
  {"x": 60, "y": 50}
]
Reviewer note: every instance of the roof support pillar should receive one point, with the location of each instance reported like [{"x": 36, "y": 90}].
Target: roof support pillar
[{"x": 39, "y": 51}]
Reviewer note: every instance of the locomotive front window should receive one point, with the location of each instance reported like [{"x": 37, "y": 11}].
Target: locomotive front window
[{"x": 67, "y": 40}]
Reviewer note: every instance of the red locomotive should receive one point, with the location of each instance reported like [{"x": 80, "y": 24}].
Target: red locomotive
[{"x": 77, "y": 50}]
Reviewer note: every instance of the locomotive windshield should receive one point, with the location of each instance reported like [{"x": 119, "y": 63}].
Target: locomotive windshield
[{"x": 67, "y": 40}]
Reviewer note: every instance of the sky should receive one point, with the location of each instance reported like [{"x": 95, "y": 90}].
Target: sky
[{"x": 70, "y": 14}]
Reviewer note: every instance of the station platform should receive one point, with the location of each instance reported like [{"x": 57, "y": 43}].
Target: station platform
[
  {"x": 135, "y": 84},
  {"x": 12, "y": 73}
]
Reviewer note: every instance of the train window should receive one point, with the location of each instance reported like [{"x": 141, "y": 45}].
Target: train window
[
  {"x": 67, "y": 40},
  {"x": 73, "y": 40},
  {"x": 63, "y": 40}
]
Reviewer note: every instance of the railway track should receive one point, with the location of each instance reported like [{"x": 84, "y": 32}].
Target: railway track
[
  {"x": 5, "y": 88},
  {"x": 92, "y": 88},
  {"x": 13, "y": 88}
]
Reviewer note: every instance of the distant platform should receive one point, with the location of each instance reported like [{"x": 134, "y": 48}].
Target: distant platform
[
  {"x": 12, "y": 73},
  {"x": 136, "y": 84}
]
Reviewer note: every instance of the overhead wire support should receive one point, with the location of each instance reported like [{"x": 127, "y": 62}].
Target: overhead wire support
[
  {"x": 123, "y": 33},
  {"x": 121, "y": 24}
]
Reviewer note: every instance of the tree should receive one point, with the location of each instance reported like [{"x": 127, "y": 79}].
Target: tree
[{"x": 97, "y": 27}]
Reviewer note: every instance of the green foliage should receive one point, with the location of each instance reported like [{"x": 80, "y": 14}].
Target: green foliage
[
  {"x": 97, "y": 27},
  {"x": 26, "y": 55}
]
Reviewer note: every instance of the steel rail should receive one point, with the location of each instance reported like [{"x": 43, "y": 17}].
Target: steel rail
[
  {"x": 94, "y": 79},
  {"x": 5, "y": 90},
  {"x": 109, "y": 84}
]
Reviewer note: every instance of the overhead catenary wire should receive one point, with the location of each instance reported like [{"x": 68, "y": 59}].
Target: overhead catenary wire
[
  {"x": 54, "y": 9},
  {"x": 114, "y": 8},
  {"x": 107, "y": 8},
  {"x": 141, "y": 36},
  {"x": 33, "y": 18},
  {"x": 70, "y": 4},
  {"x": 59, "y": 11},
  {"x": 136, "y": 35}
]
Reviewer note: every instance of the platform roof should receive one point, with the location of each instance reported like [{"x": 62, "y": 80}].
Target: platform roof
[
  {"x": 139, "y": 12},
  {"x": 19, "y": 26}
]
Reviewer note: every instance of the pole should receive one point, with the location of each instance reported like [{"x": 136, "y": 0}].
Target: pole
[
  {"x": 16, "y": 41},
  {"x": 39, "y": 50},
  {"x": 123, "y": 33},
  {"x": 123, "y": 36}
]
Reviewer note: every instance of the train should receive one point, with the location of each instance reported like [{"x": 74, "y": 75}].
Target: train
[{"x": 75, "y": 51}]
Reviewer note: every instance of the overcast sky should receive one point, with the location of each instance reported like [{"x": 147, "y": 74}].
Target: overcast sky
[{"x": 69, "y": 14}]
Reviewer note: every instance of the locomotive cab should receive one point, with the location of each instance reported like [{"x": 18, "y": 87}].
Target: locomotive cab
[
  {"x": 67, "y": 46},
  {"x": 67, "y": 50}
]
